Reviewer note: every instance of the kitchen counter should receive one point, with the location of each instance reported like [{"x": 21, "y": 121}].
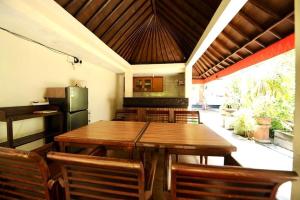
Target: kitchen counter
[{"x": 156, "y": 102}]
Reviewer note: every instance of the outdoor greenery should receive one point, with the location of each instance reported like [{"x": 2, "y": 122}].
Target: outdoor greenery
[
  {"x": 244, "y": 124},
  {"x": 270, "y": 93}
]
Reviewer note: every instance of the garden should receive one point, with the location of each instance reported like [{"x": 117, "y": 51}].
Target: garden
[{"x": 259, "y": 104}]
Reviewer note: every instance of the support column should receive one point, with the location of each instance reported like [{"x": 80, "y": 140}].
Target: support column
[
  {"x": 128, "y": 84},
  {"x": 188, "y": 83},
  {"x": 296, "y": 146}
]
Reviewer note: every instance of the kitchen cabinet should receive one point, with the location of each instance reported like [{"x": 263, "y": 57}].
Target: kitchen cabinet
[{"x": 148, "y": 84}]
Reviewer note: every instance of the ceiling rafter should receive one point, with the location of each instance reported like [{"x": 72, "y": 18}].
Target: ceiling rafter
[{"x": 248, "y": 41}]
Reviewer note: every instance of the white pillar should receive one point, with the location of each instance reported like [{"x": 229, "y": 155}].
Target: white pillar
[
  {"x": 296, "y": 185},
  {"x": 188, "y": 82},
  {"x": 128, "y": 84}
]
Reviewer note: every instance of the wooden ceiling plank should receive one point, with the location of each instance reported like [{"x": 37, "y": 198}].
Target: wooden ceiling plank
[
  {"x": 154, "y": 49},
  {"x": 222, "y": 45},
  {"x": 178, "y": 54},
  {"x": 212, "y": 57},
  {"x": 162, "y": 46},
  {"x": 259, "y": 43},
  {"x": 248, "y": 50},
  {"x": 159, "y": 55},
  {"x": 63, "y": 3},
  {"x": 228, "y": 37},
  {"x": 124, "y": 19},
  {"x": 149, "y": 50},
  {"x": 195, "y": 67},
  {"x": 202, "y": 7},
  {"x": 82, "y": 7},
  {"x": 74, "y": 6},
  {"x": 264, "y": 9},
  {"x": 88, "y": 10},
  {"x": 182, "y": 42},
  {"x": 167, "y": 44},
  {"x": 142, "y": 43},
  {"x": 194, "y": 15},
  {"x": 200, "y": 67},
  {"x": 164, "y": 10},
  {"x": 275, "y": 34},
  {"x": 110, "y": 20},
  {"x": 118, "y": 31},
  {"x": 182, "y": 16},
  {"x": 101, "y": 14},
  {"x": 130, "y": 43},
  {"x": 251, "y": 21},
  {"x": 135, "y": 41},
  {"x": 122, "y": 36},
  {"x": 182, "y": 29},
  {"x": 153, "y": 4},
  {"x": 205, "y": 57},
  {"x": 257, "y": 36},
  {"x": 238, "y": 30}
]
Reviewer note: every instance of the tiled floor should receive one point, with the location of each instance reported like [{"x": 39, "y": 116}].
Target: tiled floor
[{"x": 252, "y": 154}]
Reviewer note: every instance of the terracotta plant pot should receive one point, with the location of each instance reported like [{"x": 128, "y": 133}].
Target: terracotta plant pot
[
  {"x": 263, "y": 120},
  {"x": 261, "y": 133}
]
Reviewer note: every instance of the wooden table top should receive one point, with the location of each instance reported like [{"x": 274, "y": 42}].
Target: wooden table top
[
  {"x": 172, "y": 135},
  {"x": 122, "y": 133}
]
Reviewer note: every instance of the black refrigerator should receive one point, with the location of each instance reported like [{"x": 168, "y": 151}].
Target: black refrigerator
[{"x": 73, "y": 102}]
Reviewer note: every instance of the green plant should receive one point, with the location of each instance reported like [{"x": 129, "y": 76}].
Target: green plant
[{"x": 244, "y": 123}]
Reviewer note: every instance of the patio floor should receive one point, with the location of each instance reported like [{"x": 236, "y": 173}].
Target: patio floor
[{"x": 252, "y": 154}]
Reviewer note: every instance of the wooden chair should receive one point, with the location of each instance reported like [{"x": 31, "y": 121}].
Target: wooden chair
[
  {"x": 189, "y": 117},
  {"x": 157, "y": 116},
  {"x": 226, "y": 182},
  {"x": 24, "y": 175},
  {"x": 91, "y": 177},
  {"x": 126, "y": 115},
  {"x": 186, "y": 116}
]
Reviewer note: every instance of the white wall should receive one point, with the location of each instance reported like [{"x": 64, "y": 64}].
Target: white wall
[{"x": 26, "y": 69}]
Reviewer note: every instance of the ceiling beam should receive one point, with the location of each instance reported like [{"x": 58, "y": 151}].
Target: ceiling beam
[{"x": 223, "y": 15}]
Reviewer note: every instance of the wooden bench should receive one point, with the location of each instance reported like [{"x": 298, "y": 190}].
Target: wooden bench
[{"x": 226, "y": 182}]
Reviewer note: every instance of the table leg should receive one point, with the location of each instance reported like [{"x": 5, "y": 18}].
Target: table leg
[
  {"x": 166, "y": 171},
  {"x": 130, "y": 151}
]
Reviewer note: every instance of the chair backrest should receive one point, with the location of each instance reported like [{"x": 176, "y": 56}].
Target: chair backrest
[
  {"x": 23, "y": 175},
  {"x": 157, "y": 116},
  {"x": 186, "y": 116},
  {"x": 226, "y": 182},
  {"x": 91, "y": 177},
  {"x": 126, "y": 115}
]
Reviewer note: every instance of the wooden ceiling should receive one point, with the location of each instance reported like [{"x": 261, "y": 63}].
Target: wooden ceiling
[
  {"x": 259, "y": 24},
  {"x": 145, "y": 31}
]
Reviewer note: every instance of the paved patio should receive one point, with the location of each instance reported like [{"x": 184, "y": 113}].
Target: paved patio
[{"x": 252, "y": 154}]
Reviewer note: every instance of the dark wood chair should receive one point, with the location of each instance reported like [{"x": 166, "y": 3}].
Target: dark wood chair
[
  {"x": 226, "y": 182},
  {"x": 92, "y": 177},
  {"x": 126, "y": 115},
  {"x": 187, "y": 116},
  {"x": 24, "y": 175},
  {"x": 157, "y": 116}
]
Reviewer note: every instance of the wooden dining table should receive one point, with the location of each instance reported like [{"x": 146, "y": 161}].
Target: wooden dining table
[{"x": 118, "y": 134}]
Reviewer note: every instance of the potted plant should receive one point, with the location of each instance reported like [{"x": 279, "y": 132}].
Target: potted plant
[{"x": 244, "y": 123}]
